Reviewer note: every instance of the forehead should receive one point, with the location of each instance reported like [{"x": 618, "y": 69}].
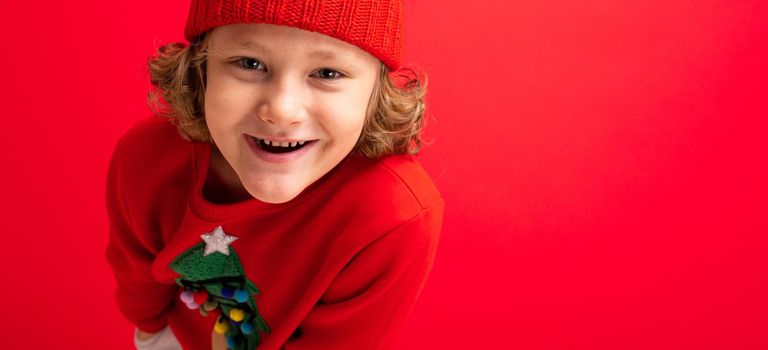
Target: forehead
[{"x": 267, "y": 38}]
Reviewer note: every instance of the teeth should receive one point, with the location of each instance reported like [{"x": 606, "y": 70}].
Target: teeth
[{"x": 281, "y": 144}]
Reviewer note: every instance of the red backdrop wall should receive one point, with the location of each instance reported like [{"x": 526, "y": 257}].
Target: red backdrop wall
[{"x": 603, "y": 165}]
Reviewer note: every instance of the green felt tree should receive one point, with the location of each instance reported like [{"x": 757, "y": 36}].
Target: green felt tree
[{"x": 213, "y": 278}]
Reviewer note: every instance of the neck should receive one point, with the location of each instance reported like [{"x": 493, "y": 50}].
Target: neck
[{"x": 222, "y": 185}]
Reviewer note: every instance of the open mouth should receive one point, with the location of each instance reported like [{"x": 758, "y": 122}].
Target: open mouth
[{"x": 274, "y": 147}]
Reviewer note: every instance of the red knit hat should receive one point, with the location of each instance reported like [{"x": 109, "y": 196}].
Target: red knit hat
[{"x": 375, "y": 26}]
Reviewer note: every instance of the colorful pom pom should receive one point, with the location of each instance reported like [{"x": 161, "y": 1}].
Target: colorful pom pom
[
  {"x": 193, "y": 305},
  {"x": 187, "y": 296},
  {"x": 227, "y": 292},
  {"x": 210, "y": 305},
  {"x": 203, "y": 311},
  {"x": 200, "y": 296},
  {"x": 236, "y": 315},
  {"x": 221, "y": 326},
  {"x": 246, "y": 328},
  {"x": 241, "y": 295},
  {"x": 231, "y": 341}
]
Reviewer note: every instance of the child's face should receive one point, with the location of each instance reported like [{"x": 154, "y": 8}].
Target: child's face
[{"x": 295, "y": 85}]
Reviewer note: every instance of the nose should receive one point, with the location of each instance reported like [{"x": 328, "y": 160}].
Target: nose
[{"x": 282, "y": 103}]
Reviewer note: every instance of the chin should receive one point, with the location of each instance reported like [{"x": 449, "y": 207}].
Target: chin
[{"x": 275, "y": 197}]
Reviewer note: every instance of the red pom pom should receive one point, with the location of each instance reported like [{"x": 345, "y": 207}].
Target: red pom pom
[{"x": 200, "y": 297}]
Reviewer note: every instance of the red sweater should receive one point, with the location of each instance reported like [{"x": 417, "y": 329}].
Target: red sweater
[{"x": 338, "y": 267}]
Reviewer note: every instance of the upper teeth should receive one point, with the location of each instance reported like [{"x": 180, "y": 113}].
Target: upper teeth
[{"x": 281, "y": 144}]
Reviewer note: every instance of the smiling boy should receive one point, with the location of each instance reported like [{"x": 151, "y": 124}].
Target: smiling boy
[{"x": 274, "y": 202}]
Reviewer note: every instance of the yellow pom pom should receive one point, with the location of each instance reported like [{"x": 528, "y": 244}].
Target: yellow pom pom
[
  {"x": 236, "y": 315},
  {"x": 221, "y": 326}
]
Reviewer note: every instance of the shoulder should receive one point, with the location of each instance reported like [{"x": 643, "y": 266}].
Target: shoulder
[
  {"x": 411, "y": 177},
  {"x": 152, "y": 143},
  {"x": 390, "y": 190},
  {"x": 391, "y": 212},
  {"x": 148, "y": 135},
  {"x": 149, "y": 160}
]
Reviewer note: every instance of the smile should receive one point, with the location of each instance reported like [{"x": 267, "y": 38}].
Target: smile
[
  {"x": 279, "y": 147},
  {"x": 275, "y": 152}
]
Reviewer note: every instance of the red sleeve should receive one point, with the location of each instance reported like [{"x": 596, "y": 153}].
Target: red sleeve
[
  {"x": 370, "y": 299},
  {"x": 141, "y": 299}
]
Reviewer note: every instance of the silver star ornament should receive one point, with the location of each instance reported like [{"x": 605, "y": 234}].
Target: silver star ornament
[{"x": 217, "y": 241}]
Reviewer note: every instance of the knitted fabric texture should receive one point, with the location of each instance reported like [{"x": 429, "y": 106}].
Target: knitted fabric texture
[
  {"x": 213, "y": 274},
  {"x": 375, "y": 26}
]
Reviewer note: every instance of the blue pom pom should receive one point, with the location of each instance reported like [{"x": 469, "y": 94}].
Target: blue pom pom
[
  {"x": 231, "y": 341},
  {"x": 246, "y": 327},
  {"x": 241, "y": 295},
  {"x": 227, "y": 292}
]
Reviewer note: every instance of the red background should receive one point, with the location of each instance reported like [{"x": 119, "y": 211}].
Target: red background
[{"x": 603, "y": 165}]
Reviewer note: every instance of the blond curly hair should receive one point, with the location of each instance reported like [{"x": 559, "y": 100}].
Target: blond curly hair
[{"x": 393, "y": 123}]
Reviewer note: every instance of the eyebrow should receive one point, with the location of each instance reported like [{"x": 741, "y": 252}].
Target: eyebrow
[
  {"x": 245, "y": 44},
  {"x": 316, "y": 54}
]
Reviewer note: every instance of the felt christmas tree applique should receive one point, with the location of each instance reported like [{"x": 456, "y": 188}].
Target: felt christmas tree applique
[{"x": 212, "y": 278}]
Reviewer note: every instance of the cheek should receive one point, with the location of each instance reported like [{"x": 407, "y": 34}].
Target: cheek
[
  {"x": 343, "y": 119},
  {"x": 223, "y": 105},
  {"x": 353, "y": 106},
  {"x": 220, "y": 97},
  {"x": 223, "y": 94}
]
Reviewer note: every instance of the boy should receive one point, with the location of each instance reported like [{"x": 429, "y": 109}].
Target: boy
[{"x": 276, "y": 203}]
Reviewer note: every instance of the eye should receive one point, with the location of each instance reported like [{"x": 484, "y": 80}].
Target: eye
[
  {"x": 328, "y": 74},
  {"x": 247, "y": 63}
]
